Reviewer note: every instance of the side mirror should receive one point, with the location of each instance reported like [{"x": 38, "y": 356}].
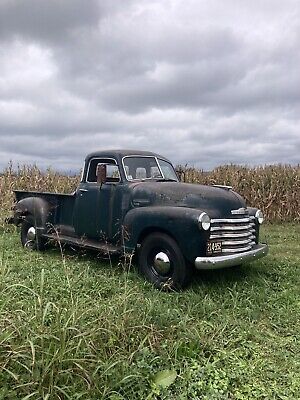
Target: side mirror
[
  {"x": 101, "y": 173},
  {"x": 180, "y": 174}
]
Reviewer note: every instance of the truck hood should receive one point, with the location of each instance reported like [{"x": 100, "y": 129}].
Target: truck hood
[{"x": 216, "y": 202}]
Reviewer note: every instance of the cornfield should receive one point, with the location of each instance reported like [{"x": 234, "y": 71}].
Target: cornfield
[
  {"x": 275, "y": 189},
  {"x": 30, "y": 177}
]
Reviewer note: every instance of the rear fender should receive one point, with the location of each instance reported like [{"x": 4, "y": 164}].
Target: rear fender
[{"x": 38, "y": 208}]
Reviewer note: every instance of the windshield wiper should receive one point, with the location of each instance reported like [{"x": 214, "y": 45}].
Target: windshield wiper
[{"x": 166, "y": 180}]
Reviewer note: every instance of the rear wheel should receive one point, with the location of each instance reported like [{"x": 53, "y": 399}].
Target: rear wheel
[
  {"x": 161, "y": 261},
  {"x": 29, "y": 236}
]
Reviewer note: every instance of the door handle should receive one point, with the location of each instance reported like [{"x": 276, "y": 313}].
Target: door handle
[{"x": 83, "y": 190}]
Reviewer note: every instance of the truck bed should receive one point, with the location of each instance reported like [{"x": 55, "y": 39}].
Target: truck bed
[
  {"x": 62, "y": 204},
  {"x": 21, "y": 194}
]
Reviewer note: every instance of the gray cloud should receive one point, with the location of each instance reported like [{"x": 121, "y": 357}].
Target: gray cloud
[
  {"x": 204, "y": 83},
  {"x": 49, "y": 21}
]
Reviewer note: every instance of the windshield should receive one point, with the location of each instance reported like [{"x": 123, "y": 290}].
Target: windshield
[
  {"x": 142, "y": 168},
  {"x": 167, "y": 170}
]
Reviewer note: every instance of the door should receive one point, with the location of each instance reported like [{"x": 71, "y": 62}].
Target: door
[{"x": 93, "y": 213}]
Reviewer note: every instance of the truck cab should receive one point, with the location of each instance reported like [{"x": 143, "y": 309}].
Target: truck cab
[{"x": 132, "y": 201}]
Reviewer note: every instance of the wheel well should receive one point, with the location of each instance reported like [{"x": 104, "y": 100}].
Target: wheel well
[
  {"x": 148, "y": 231},
  {"x": 28, "y": 215},
  {"x": 152, "y": 229}
]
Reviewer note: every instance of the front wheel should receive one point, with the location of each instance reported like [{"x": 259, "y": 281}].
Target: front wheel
[
  {"x": 162, "y": 263},
  {"x": 29, "y": 237}
]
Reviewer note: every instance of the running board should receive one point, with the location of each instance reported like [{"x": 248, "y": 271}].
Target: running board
[{"x": 105, "y": 248}]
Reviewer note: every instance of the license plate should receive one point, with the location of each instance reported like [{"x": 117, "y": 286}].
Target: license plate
[{"x": 213, "y": 248}]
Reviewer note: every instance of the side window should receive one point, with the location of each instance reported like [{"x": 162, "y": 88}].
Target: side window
[{"x": 112, "y": 170}]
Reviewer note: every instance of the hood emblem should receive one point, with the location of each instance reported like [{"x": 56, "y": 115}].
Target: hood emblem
[
  {"x": 239, "y": 211},
  {"x": 226, "y": 187}
]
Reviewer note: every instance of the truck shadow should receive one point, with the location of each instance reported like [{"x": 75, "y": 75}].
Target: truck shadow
[
  {"x": 229, "y": 275},
  {"x": 96, "y": 260},
  {"x": 225, "y": 277}
]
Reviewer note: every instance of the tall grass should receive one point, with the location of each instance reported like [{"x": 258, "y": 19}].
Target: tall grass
[
  {"x": 56, "y": 337},
  {"x": 275, "y": 188},
  {"x": 73, "y": 327}
]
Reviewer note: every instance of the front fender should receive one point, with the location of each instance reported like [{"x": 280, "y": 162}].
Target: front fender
[{"x": 179, "y": 222}]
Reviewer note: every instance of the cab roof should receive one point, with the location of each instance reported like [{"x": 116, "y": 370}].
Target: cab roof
[{"x": 122, "y": 153}]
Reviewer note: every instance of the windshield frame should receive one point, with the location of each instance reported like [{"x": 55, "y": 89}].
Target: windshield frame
[{"x": 158, "y": 165}]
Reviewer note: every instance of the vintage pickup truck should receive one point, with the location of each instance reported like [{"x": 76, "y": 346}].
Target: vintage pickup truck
[{"x": 132, "y": 201}]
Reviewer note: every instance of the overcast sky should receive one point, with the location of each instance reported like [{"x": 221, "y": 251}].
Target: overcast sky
[{"x": 201, "y": 82}]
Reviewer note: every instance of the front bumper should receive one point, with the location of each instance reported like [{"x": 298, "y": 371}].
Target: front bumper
[{"x": 258, "y": 251}]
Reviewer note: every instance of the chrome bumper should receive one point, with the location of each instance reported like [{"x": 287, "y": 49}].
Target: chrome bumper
[{"x": 258, "y": 251}]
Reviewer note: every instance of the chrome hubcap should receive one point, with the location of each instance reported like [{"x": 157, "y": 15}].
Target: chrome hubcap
[
  {"x": 31, "y": 233},
  {"x": 162, "y": 263}
]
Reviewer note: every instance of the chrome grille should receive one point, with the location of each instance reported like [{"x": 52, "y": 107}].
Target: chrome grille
[{"x": 236, "y": 234}]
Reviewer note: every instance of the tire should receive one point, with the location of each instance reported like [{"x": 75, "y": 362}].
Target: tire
[
  {"x": 161, "y": 262},
  {"x": 28, "y": 239}
]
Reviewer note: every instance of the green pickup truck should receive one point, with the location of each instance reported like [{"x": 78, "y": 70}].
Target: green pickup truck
[{"x": 132, "y": 202}]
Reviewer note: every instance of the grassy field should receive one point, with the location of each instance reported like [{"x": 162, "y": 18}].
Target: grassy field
[{"x": 74, "y": 326}]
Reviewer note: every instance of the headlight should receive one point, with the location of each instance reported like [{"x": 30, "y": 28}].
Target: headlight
[
  {"x": 259, "y": 216},
  {"x": 204, "y": 221}
]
